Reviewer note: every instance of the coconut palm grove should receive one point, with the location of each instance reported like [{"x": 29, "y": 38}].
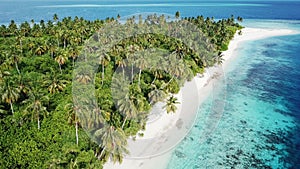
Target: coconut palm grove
[{"x": 39, "y": 127}]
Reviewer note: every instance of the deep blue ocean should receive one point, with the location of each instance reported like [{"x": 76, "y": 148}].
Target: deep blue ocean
[
  {"x": 21, "y": 10},
  {"x": 260, "y": 126}
]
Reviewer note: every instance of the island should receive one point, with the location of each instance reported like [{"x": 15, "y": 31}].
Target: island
[{"x": 40, "y": 126}]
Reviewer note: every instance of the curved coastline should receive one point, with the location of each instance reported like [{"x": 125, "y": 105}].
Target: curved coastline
[{"x": 204, "y": 85}]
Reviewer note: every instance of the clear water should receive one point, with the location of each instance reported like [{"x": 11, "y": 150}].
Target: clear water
[
  {"x": 261, "y": 121},
  {"x": 260, "y": 124}
]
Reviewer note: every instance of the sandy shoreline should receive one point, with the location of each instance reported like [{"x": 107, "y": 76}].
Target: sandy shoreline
[{"x": 164, "y": 131}]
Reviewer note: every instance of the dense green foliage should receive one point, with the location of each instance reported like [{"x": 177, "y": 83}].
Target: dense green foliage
[{"x": 38, "y": 124}]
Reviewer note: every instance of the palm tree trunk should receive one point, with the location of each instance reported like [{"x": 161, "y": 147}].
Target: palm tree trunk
[
  {"x": 21, "y": 46},
  {"x": 39, "y": 123},
  {"x": 102, "y": 74},
  {"x": 140, "y": 76},
  {"x": 153, "y": 79},
  {"x": 17, "y": 67},
  {"x": 57, "y": 42},
  {"x": 124, "y": 122},
  {"x": 76, "y": 127},
  {"x": 123, "y": 71},
  {"x": 64, "y": 43},
  {"x": 101, "y": 153},
  {"x": 131, "y": 73},
  {"x": 12, "y": 108},
  {"x": 60, "y": 68},
  {"x": 170, "y": 80}
]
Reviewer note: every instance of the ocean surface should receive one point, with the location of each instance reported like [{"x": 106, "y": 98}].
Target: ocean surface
[
  {"x": 25, "y": 10},
  {"x": 260, "y": 126},
  {"x": 260, "y": 123}
]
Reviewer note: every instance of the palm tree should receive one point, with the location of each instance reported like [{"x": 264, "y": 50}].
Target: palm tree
[
  {"x": 61, "y": 58},
  {"x": 240, "y": 19},
  {"x": 32, "y": 22},
  {"x": 171, "y": 104},
  {"x": 12, "y": 27},
  {"x": 74, "y": 52},
  {"x": 65, "y": 36},
  {"x": 2, "y": 111},
  {"x": 120, "y": 62},
  {"x": 15, "y": 58},
  {"x": 10, "y": 94},
  {"x": 40, "y": 49},
  {"x": 176, "y": 67},
  {"x": 131, "y": 59},
  {"x": 22, "y": 33},
  {"x": 240, "y": 32},
  {"x": 113, "y": 142},
  {"x": 177, "y": 14},
  {"x": 35, "y": 103},
  {"x": 141, "y": 61},
  {"x": 71, "y": 109},
  {"x": 51, "y": 46},
  {"x": 22, "y": 81},
  {"x": 104, "y": 61},
  {"x": 3, "y": 31},
  {"x": 90, "y": 116},
  {"x": 124, "y": 101},
  {"x": 55, "y": 17},
  {"x": 3, "y": 73},
  {"x": 54, "y": 84},
  {"x": 42, "y": 24},
  {"x": 127, "y": 108},
  {"x": 156, "y": 95},
  {"x": 219, "y": 58},
  {"x": 83, "y": 77},
  {"x": 36, "y": 31}
]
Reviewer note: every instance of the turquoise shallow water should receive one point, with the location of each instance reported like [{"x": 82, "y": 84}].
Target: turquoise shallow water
[{"x": 260, "y": 124}]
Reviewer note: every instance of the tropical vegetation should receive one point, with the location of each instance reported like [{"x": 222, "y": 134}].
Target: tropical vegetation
[{"x": 42, "y": 127}]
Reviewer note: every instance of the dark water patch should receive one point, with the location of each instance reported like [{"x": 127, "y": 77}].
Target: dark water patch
[
  {"x": 295, "y": 110},
  {"x": 273, "y": 146},
  {"x": 270, "y": 83},
  {"x": 274, "y": 138},
  {"x": 267, "y": 97},
  {"x": 270, "y": 45},
  {"x": 285, "y": 113},
  {"x": 240, "y": 158},
  {"x": 243, "y": 122},
  {"x": 293, "y": 148},
  {"x": 280, "y": 145},
  {"x": 266, "y": 53},
  {"x": 179, "y": 154}
]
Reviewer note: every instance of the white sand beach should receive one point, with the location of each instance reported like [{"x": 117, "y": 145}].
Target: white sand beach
[{"x": 164, "y": 131}]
